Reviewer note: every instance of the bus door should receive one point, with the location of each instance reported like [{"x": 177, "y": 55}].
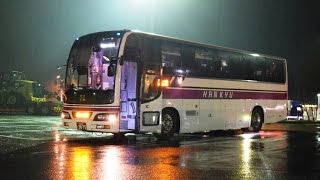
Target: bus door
[
  {"x": 128, "y": 101},
  {"x": 151, "y": 100}
]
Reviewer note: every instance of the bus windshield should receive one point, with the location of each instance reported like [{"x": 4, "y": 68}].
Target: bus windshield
[{"x": 87, "y": 69}]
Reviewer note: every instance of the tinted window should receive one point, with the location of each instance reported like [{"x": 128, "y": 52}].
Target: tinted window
[
  {"x": 275, "y": 71},
  {"x": 171, "y": 58},
  {"x": 132, "y": 50},
  {"x": 255, "y": 68},
  {"x": 150, "y": 51},
  {"x": 205, "y": 63},
  {"x": 237, "y": 66}
]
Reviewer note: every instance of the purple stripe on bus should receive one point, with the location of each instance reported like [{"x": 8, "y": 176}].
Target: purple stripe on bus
[{"x": 220, "y": 94}]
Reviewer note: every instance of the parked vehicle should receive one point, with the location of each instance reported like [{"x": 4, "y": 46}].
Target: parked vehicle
[{"x": 20, "y": 95}]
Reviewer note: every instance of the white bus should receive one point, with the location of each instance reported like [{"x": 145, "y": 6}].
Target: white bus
[{"x": 130, "y": 81}]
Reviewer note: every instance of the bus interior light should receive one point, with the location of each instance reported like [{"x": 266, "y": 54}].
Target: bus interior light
[
  {"x": 107, "y": 45},
  {"x": 179, "y": 71}
]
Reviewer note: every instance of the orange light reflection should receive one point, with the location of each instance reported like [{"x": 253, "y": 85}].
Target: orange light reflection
[{"x": 81, "y": 163}]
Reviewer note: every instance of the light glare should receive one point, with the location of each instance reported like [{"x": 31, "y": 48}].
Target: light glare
[{"x": 112, "y": 117}]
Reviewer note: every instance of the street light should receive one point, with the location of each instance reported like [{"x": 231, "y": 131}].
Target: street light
[{"x": 318, "y": 107}]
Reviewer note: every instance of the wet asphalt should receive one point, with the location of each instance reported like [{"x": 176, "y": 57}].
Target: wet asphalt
[{"x": 36, "y": 147}]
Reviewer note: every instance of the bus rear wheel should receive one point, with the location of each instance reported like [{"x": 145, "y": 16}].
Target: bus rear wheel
[
  {"x": 169, "y": 123},
  {"x": 257, "y": 120}
]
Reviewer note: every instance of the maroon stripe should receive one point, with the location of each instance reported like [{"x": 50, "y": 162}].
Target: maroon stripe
[
  {"x": 92, "y": 109},
  {"x": 221, "y": 94}
]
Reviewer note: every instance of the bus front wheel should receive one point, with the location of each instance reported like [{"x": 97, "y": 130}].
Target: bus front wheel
[
  {"x": 169, "y": 123},
  {"x": 257, "y": 120}
]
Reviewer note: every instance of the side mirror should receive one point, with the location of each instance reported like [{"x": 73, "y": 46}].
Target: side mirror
[{"x": 111, "y": 70}]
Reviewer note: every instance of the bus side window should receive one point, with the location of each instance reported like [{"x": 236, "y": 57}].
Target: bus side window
[
  {"x": 204, "y": 63},
  {"x": 275, "y": 71},
  {"x": 259, "y": 66},
  {"x": 236, "y": 66},
  {"x": 171, "y": 59},
  {"x": 224, "y": 67},
  {"x": 249, "y": 67}
]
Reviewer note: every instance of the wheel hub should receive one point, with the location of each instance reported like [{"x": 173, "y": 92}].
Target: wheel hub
[{"x": 167, "y": 123}]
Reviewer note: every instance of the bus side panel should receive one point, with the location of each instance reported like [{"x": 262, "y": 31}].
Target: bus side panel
[
  {"x": 242, "y": 114},
  {"x": 210, "y": 116},
  {"x": 228, "y": 113},
  {"x": 151, "y": 107},
  {"x": 188, "y": 122},
  {"x": 190, "y": 115},
  {"x": 274, "y": 110}
]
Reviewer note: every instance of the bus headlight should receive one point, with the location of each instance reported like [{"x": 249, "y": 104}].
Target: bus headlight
[
  {"x": 105, "y": 117},
  {"x": 65, "y": 115}
]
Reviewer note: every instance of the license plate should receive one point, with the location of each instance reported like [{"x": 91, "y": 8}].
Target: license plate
[{"x": 81, "y": 126}]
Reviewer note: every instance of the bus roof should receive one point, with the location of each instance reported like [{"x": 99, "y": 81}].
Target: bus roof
[
  {"x": 122, "y": 32},
  {"x": 208, "y": 45}
]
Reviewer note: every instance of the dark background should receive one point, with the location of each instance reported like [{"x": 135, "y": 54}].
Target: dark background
[{"x": 36, "y": 35}]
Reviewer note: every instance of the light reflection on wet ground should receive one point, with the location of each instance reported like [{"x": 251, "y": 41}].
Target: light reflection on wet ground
[{"x": 269, "y": 154}]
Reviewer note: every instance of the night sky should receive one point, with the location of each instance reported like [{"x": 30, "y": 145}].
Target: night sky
[{"x": 36, "y": 35}]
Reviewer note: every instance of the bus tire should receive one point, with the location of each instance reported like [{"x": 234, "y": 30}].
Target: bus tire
[
  {"x": 169, "y": 124},
  {"x": 257, "y": 119}
]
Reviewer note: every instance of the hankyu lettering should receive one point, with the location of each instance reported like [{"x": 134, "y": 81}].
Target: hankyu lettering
[{"x": 217, "y": 94}]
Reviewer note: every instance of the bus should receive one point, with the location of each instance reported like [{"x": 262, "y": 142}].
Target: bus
[{"x": 132, "y": 81}]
